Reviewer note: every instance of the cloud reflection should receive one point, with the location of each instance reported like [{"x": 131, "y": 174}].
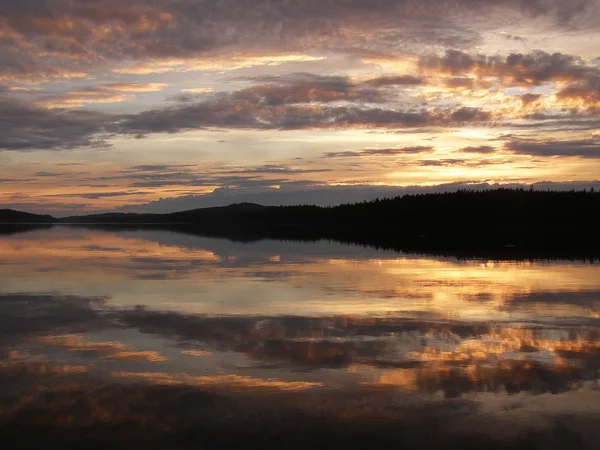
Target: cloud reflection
[{"x": 346, "y": 341}]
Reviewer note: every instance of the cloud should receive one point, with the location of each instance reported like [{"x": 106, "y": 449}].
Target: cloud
[
  {"x": 311, "y": 88},
  {"x": 579, "y": 80},
  {"x": 277, "y": 169},
  {"x": 300, "y": 341},
  {"x": 512, "y": 37},
  {"x": 399, "y": 80},
  {"x": 133, "y": 87},
  {"x": 529, "y": 98},
  {"x": 24, "y": 126},
  {"x": 482, "y": 149},
  {"x": 100, "y": 93},
  {"x": 441, "y": 162},
  {"x": 196, "y": 353},
  {"x": 75, "y": 100},
  {"x": 241, "y": 110},
  {"x": 587, "y": 299},
  {"x": 149, "y": 356},
  {"x": 23, "y": 315},
  {"x": 47, "y": 174},
  {"x": 214, "y": 62},
  {"x": 230, "y": 382},
  {"x": 381, "y": 152},
  {"x": 159, "y": 167},
  {"x": 460, "y": 82},
  {"x": 198, "y": 90},
  {"x": 29, "y": 127},
  {"x": 15, "y": 180},
  {"x": 60, "y": 38},
  {"x": 97, "y": 195},
  {"x": 584, "y": 148},
  {"x": 308, "y": 88},
  {"x": 301, "y": 101},
  {"x": 75, "y": 343},
  {"x": 161, "y": 175},
  {"x": 585, "y": 92}
]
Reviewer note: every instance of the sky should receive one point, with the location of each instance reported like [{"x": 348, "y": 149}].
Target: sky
[{"x": 166, "y": 105}]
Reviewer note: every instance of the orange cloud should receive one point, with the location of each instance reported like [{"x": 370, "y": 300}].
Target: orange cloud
[
  {"x": 150, "y": 356},
  {"x": 231, "y": 382}
]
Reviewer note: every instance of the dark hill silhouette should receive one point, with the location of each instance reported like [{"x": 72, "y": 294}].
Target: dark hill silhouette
[
  {"x": 12, "y": 216},
  {"x": 514, "y": 207},
  {"x": 190, "y": 216},
  {"x": 466, "y": 222},
  {"x": 495, "y": 220},
  {"x": 236, "y": 208}
]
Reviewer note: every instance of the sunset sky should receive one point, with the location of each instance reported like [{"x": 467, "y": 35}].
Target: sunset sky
[{"x": 164, "y": 105}]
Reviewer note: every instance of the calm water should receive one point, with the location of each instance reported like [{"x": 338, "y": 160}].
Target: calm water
[{"x": 153, "y": 338}]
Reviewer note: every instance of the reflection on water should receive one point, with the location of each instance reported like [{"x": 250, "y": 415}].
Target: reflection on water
[{"x": 153, "y": 338}]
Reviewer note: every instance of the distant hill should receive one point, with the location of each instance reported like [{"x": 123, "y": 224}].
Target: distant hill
[
  {"x": 506, "y": 207},
  {"x": 12, "y": 216},
  {"x": 109, "y": 218},
  {"x": 235, "y": 209},
  {"x": 190, "y": 216}
]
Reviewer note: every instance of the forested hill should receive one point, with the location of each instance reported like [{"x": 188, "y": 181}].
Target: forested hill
[
  {"x": 221, "y": 213},
  {"x": 496, "y": 219},
  {"x": 540, "y": 221},
  {"x": 494, "y": 207},
  {"x": 12, "y": 216}
]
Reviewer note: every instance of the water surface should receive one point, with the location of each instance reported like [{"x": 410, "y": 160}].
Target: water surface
[{"x": 124, "y": 330}]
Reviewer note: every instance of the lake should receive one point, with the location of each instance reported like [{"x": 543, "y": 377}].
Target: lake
[{"x": 158, "y": 339}]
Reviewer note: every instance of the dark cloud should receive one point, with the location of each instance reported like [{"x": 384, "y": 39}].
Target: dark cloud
[
  {"x": 586, "y": 299},
  {"x": 97, "y": 195},
  {"x": 97, "y": 407},
  {"x": 532, "y": 68},
  {"x": 484, "y": 149},
  {"x": 100, "y": 93},
  {"x": 586, "y": 91},
  {"x": 512, "y": 37},
  {"x": 465, "y": 114},
  {"x": 61, "y": 174},
  {"x": 99, "y": 248},
  {"x": 301, "y": 101},
  {"x": 47, "y": 174},
  {"x": 402, "y": 80},
  {"x": 442, "y": 162},
  {"x": 159, "y": 167},
  {"x": 276, "y": 169},
  {"x": 381, "y": 152},
  {"x": 15, "y": 180},
  {"x": 308, "y": 88},
  {"x": 460, "y": 82},
  {"x": 584, "y": 148},
  {"x": 230, "y": 180},
  {"x": 38, "y": 35},
  {"x": 27, "y": 127},
  {"x": 528, "y": 99},
  {"x": 231, "y": 112},
  {"x": 23, "y": 315}
]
